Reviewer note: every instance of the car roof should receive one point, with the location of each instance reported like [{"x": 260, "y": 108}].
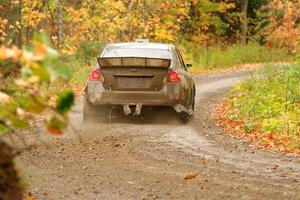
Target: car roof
[{"x": 137, "y": 45}]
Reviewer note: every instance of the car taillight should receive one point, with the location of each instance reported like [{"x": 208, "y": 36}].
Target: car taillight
[
  {"x": 95, "y": 75},
  {"x": 173, "y": 77}
]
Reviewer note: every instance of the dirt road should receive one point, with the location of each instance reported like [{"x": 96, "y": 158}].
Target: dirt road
[{"x": 148, "y": 158}]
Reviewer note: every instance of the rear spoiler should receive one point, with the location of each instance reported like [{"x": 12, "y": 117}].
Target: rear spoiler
[{"x": 134, "y": 62}]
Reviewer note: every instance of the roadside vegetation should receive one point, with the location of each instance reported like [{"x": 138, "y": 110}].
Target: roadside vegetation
[
  {"x": 266, "y": 109},
  {"x": 236, "y": 55}
]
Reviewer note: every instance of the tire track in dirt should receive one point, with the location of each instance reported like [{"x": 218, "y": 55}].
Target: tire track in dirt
[{"x": 147, "y": 159}]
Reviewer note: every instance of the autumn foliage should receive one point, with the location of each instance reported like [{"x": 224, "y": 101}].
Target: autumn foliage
[
  {"x": 206, "y": 22},
  {"x": 283, "y": 28}
]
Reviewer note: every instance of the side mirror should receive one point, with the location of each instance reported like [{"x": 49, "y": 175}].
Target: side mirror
[{"x": 189, "y": 65}]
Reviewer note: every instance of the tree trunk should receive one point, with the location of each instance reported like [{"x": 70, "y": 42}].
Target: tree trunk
[
  {"x": 9, "y": 181},
  {"x": 60, "y": 35},
  {"x": 244, "y": 21},
  {"x": 19, "y": 41}
]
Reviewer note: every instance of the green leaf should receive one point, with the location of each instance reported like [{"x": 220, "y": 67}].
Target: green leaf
[
  {"x": 61, "y": 70},
  {"x": 56, "y": 123},
  {"x": 65, "y": 101},
  {"x": 26, "y": 72},
  {"x": 249, "y": 127},
  {"x": 35, "y": 103},
  {"x": 42, "y": 38},
  {"x": 52, "y": 56},
  {"x": 43, "y": 73},
  {"x": 19, "y": 123},
  {"x": 3, "y": 129}
]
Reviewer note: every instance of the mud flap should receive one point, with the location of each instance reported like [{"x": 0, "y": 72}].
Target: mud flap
[
  {"x": 180, "y": 109},
  {"x": 94, "y": 91}
]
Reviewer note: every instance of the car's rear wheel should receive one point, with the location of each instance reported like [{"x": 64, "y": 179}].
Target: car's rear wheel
[
  {"x": 184, "y": 117},
  {"x": 193, "y": 100}
]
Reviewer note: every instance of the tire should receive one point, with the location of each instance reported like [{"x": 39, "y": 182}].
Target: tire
[
  {"x": 184, "y": 117},
  {"x": 193, "y": 100}
]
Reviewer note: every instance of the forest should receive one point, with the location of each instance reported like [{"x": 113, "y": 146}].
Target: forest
[
  {"x": 49, "y": 47},
  {"x": 81, "y": 27}
]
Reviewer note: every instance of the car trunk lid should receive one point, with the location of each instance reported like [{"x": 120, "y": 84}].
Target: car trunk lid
[{"x": 134, "y": 73}]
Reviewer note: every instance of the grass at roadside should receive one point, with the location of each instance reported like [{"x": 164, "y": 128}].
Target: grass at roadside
[
  {"x": 265, "y": 109},
  {"x": 217, "y": 57}
]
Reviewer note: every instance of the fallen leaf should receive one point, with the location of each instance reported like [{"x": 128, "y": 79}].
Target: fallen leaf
[
  {"x": 190, "y": 175},
  {"x": 54, "y": 131}
]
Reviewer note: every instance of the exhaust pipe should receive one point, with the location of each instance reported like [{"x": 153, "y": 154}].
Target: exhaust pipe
[
  {"x": 137, "y": 109},
  {"x": 126, "y": 109}
]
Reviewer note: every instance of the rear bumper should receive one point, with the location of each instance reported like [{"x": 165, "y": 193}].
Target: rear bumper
[
  {"x": 97, "y": 95},
  {"x": 131, "y": 98}
]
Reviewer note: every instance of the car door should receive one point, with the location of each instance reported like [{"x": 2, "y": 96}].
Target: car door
[{"x": 187, "y": 79}]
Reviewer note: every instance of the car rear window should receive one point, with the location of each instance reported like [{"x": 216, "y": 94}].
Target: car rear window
[{"x": 138, "y": 52}]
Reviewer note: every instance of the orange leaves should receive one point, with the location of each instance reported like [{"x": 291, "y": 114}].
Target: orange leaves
[
  {"x": 283, "y": 29},
  {"x": 54, "y": 131},
  {"x": 114, "y": 21},
  {"x": 190, "y": 175},
  {"x": 13, "y": 53},
  {"x": 3, "y": 53},
  {"x": 224, "y": 6},
  {"x": 40, "y": 51},
  {"x": 126, "y": 21},
  {"x": 3, "y": 23},
  {"x": 31, "y": 18},
  {"x": 34, "y": 14},
  {"x": 15, "y": 3}
]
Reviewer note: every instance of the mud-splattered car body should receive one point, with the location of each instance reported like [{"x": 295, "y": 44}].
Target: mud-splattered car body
[{"x": 134, "y": 75}]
